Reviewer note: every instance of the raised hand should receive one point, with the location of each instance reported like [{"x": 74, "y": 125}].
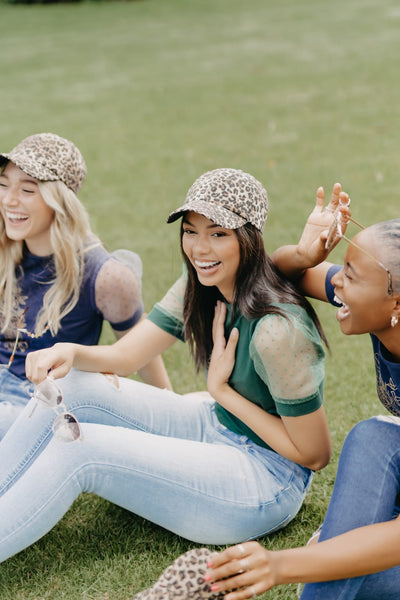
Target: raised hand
[
  {"x": 312, "y": 244},
  {"x": 222, "y": 358}
]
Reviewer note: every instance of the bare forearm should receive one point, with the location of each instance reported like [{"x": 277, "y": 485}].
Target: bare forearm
[
  {"x": 290, "y": 261},
  {"x": 155, "y": 373},
  {"x": 140, "y": 348},
  {"x": 105, "y": 359},
  {"x": 271, "y": 429},
  {"x": 129, "y": 354},
  {"x": 249, "y": 568},
  {"x": 358, "y": 552}
]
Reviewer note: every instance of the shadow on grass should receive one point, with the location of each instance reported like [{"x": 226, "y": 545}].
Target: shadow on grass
[
  {"x": 114, "y": 548},
  {"x": 100, "y": 551}
]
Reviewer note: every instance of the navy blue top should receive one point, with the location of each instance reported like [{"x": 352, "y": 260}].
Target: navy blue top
[{"x": 81, "y": 325}]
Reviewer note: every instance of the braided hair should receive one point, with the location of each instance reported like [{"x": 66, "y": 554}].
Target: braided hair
[{"x": 388, "y": 235}]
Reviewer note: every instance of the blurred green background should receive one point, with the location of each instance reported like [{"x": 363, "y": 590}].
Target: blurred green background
[{"x": 154, "y": 93}]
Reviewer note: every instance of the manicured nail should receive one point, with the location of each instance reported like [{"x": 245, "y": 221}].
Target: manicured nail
[
  {"x": 209, "y": 564},
  {"x": 207, "y": 577},
  {"x": 215, "y": 587}
]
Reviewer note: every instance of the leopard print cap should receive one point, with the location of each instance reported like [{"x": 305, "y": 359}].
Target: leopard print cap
[
  {"x": 229, "y": 197},
  {"x": 49, "y": 157},
  {"x": 183, "y": 579}
]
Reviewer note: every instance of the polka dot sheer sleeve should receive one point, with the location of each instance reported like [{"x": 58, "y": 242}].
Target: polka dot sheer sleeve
[
  {"x": 288, "y": 356},
  {"x": 118, "y": 287}
]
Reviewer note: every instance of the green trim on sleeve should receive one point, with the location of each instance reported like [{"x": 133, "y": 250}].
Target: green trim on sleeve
[
  {"x": 166, "y": 322},
  {"x": 306, "y": 407}
]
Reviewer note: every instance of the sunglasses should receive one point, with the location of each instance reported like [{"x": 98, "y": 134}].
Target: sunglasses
[
  {"x": 66, "y": 426},
  {"x": 336, "y": 233}
]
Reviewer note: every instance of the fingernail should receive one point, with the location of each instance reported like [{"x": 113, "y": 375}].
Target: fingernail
[
  {"x": 210, "y": 565},
  {"x": 215, "y": 587},
  {"x": 207, "y": 577}
]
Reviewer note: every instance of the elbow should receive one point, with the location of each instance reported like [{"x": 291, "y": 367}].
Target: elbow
[
  {"x": 319, "y": 462},
  {"x": 318, "y": 459},
  {"x": 125, "y": 371}
]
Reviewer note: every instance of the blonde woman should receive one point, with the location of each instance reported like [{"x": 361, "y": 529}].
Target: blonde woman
[{"x": 57, "y": 282}]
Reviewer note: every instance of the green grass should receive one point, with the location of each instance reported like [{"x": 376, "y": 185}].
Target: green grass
[{"x": 154, "y": 93}]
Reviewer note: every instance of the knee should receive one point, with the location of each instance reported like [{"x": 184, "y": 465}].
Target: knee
[
  {"x": 372, "y": 434},
  {"x": 82, "y": 388}
]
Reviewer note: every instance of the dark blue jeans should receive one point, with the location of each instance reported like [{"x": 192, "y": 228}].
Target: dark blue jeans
[{"x": 366, "y": 491}]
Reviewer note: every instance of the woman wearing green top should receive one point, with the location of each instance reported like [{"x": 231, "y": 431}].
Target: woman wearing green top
[{"x": 222, "y": 467}]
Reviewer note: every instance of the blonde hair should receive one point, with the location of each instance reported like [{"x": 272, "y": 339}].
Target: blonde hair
[{"x": 70, "y": 236}]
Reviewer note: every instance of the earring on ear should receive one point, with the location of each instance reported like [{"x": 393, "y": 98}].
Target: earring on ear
[{"x": 394, "y": 320}]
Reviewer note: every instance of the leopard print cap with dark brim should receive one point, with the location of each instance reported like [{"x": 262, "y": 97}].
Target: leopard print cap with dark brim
[
  {"x": 228, "y": 197},
  {"x": 49, "y": 157}
]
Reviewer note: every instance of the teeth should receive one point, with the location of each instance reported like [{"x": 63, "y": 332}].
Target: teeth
[
  {"x": 343, "y": 311},
  {"x": 338, "y": 300},
  {"x": 204, "y": 265},
  {"x": 16, "y": 216}
]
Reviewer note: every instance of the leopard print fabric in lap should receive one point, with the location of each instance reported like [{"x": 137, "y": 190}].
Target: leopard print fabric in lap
[{"x": 183, "y": 580}]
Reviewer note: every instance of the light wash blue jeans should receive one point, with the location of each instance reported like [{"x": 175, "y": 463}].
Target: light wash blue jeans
[
  {"x": 366, "y": 491},
  {"x": 160, "y": 455},
  {"x": 14, "y": 396}
]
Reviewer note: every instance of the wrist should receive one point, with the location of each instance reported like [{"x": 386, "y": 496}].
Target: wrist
[
  {"x": 295, "y": 565},
  {"x": 302, "y": 260},
  {"x": 292, "y": 261},
  {"x": 281, "y": 567},
  {"x": 69, "y": 350},
  {"x": 219, "y": 391}
]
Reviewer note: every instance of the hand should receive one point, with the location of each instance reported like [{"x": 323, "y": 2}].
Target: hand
[
  {"x": 246, "y": 568},
  {"x": 222, "y": 358},
  {"x": 56, "y": 361},
  {"x": 312, "y": 242}
]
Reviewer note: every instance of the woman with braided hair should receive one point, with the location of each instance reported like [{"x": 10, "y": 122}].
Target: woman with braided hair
[{"x": 357, "y": 556}]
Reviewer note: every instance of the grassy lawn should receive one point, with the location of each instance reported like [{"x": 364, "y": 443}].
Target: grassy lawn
[{"x": 155, "y": 92}]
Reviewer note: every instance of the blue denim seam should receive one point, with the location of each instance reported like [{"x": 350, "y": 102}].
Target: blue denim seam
[{"x": 10, "y": 479}]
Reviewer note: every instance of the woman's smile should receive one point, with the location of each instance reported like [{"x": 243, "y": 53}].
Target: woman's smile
[
  {"x": 26, "y": 215},
  {"x": 343, "y": 311},
  {"x": 16, "y": 219},
  {"x": 206, "y": 266},
  {"x": 361, "y": 290},
  {"x": 213, "y": 251}
]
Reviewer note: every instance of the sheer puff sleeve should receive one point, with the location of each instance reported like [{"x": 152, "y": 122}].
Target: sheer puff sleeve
[
  {"x": 288, "y": 355},
  {"x": 118, "y": 293}
]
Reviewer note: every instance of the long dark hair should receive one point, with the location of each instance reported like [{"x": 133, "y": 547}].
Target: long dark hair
[{"x": 259, "y": 284}]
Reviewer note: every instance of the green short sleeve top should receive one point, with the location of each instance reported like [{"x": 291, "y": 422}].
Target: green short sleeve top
[{"x": 279, "y": 363}]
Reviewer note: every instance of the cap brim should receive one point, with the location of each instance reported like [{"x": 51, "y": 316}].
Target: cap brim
[
  {"x": 28, "y": 168},
  {"x": 215, "y": 212}
]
